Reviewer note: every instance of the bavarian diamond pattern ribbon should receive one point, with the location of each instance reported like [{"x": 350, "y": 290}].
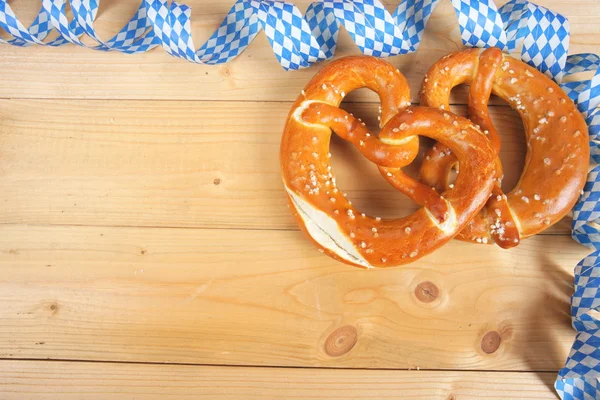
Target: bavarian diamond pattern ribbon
[
  {"x": 538, "y": 35},
  {"x": 300, "y": 40},
  {"x": 579, "y": 378},
  {"x": 543, "y": 35}
]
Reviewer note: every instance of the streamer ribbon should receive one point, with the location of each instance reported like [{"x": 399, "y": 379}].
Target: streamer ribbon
[
  {"x": 300, "y": 40},
  {"x": 579, "y": 378},
  {"x": 537, "y": 35}
]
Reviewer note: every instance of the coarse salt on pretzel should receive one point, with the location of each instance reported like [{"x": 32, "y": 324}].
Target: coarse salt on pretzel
[
  {"x": 323, "y": 211},
  {"x": 557, "y": 158}
]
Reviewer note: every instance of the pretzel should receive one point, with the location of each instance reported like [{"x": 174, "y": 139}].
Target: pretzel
[
  {"x": 322, "y": 210},
  {"x": 557, "y": 143}
]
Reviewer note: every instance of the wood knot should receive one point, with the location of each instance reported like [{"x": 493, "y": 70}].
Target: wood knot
[
  {"x": 426, "y": 292},
  {"x": 490, "y": 342},
  {"x": 341, "y": 341},
  {"x": 226, "y": 71},
  {"x": 51, "y": 308},
  {"x": 217, "y": 181}
]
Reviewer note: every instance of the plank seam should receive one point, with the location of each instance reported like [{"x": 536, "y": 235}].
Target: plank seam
[
  {"x": 199, "y": 228},
  {"x": 290, "y": 102},
  {"x": 183, "y": 364}
]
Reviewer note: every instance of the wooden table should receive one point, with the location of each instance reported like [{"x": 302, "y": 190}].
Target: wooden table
[{"x": 146, "y": 250}]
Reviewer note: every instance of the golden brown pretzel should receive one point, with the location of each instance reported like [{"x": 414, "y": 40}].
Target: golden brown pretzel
[
  {"x": 557, "y": 143},
  {"x": 323, "y": 211}
]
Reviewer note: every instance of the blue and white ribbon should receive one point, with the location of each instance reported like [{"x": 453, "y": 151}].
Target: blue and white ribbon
[
  {"x": 539, "y": 36},
  {"x": 300, "y": 40},
  {"x": 579, "y": 378}
]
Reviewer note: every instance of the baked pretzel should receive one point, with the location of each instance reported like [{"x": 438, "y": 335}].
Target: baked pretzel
[
  {"x": 557, "y": 157},
  {"x": 323, "y": 211}
]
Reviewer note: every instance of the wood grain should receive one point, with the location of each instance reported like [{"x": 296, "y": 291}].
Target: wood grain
[
  {"x": 72, "y": 72},
  {"x": 143, "y": 221},
  {"x": 87, "y": 381},
  {"x": 269, "y": 298},
  {"x": 184, "y": 164}
]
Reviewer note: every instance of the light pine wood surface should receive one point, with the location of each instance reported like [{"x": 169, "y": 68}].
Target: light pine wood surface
[
  {"x": 35, "y": 380},
  {"x": 146, "y": 250}
]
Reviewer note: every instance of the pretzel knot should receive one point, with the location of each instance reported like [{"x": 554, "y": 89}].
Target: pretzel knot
[
  {"x": 323, "y": 211},
  {"x": 557, "y": 157}
]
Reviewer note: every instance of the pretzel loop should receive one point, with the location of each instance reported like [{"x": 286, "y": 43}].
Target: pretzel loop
[
  {"x": 322, "y": 210},
  {"x": 557, "y": 146}
]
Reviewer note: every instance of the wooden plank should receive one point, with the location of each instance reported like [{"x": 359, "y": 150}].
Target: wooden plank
[
  {"x": 269, "y": 298},
  {"x": 41, "y": 380},
  {"x": 161, "y": 163},
  {"x": 72, "y": 72}
]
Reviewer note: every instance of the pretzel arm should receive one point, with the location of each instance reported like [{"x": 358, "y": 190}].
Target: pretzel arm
[
  {"x": 321, "y": 209},
  {"x": 557, "y": 147}
]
